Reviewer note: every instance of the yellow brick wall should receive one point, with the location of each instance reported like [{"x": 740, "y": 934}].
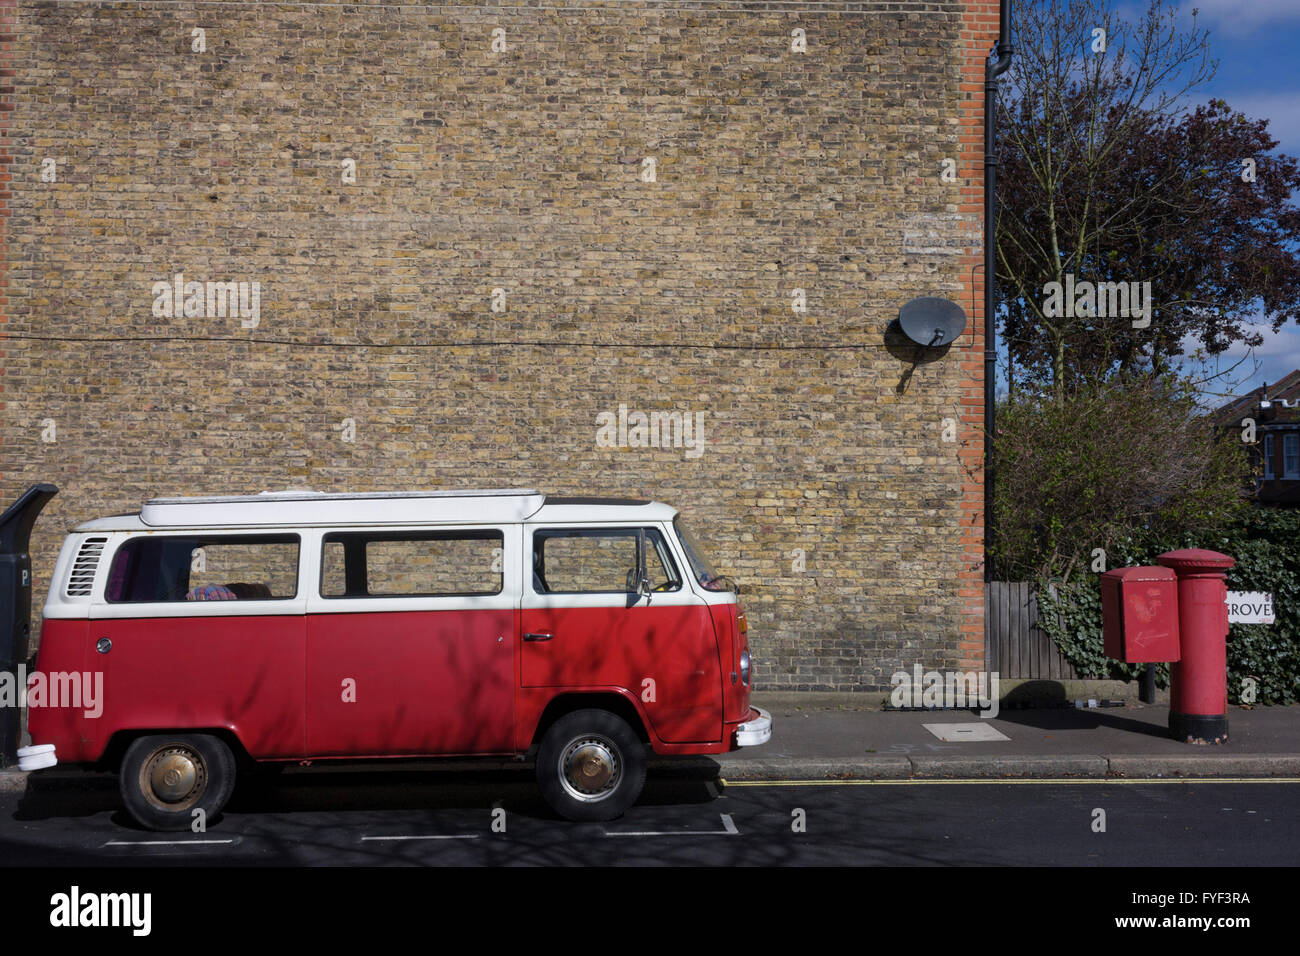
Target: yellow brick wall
[{"x": 377, "y": 361}]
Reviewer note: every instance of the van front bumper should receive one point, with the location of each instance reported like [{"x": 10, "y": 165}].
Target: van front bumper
[
  {"x": 36, "y": 758},
  {"x": 754, "y": 732}
]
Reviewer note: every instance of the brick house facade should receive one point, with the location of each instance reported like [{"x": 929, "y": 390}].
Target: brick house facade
[
  {"x": 1275, "y": 454},
  {"x": 426, "y": 246}
]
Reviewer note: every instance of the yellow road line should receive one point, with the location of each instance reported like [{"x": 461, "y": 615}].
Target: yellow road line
[{"x": 909, "y": 781}]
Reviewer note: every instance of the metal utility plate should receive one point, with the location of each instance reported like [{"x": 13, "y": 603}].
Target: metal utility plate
[{"x": 967, "y": 732}]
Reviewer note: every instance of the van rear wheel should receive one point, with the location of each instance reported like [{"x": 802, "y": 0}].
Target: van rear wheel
[
  {"x": 167, "y": 779},
  {"x": 590, "y": 766}
]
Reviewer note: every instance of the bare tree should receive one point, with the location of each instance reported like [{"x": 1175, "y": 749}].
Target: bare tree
[{"x": 1118, "y": 461}]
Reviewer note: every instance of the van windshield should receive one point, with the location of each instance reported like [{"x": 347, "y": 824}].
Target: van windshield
[{"x": 701, "y": 567}]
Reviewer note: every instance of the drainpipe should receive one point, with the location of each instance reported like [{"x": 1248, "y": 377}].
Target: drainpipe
[{"x": 991, "y": 73}]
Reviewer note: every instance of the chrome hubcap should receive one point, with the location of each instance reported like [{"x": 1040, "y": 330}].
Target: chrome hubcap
[
  {"x": 173, "y": 778},
  {"x": 590, "y": 768}
]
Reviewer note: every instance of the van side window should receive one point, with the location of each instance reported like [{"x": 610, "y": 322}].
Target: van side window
[
  {"x": 360, "y": 564},
  {"x": 204, "y": 568},
  {"x": 599, "y": 561}
]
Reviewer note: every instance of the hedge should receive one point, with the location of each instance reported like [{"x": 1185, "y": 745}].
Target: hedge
[{"x": 1266, "y": 546}]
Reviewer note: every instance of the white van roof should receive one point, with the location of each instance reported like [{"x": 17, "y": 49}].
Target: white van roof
[
  {"x": 299, "y": 508},
  {"x": 315, "y": 508}
]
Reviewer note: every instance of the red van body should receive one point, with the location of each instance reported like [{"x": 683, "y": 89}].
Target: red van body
[{"x": 296, "y": 626}]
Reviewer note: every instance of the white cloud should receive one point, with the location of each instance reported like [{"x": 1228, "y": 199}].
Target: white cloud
[
  {"x": 1282, "y": 110},
  {"x": 1242, "y": 16}
]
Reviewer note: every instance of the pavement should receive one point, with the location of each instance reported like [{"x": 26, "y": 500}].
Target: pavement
[
  {"x": 823, "y": 736},
  {"x": 854, "y": 736}
]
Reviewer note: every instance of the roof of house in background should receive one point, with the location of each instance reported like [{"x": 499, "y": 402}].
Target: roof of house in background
[{"x": 1230, "y": 412}]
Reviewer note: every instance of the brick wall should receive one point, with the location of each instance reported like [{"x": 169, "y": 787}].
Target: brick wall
[{"x": 375, "y": 359}]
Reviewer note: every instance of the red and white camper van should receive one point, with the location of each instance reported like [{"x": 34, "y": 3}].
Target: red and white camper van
[{"x": 290, "y": 626}]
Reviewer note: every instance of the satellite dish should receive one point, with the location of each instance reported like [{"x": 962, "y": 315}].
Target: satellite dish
[{"x": 932, "y": 321}]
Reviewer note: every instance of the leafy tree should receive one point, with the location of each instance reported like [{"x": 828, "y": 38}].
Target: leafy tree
[{"x": 1105, "y": 177}]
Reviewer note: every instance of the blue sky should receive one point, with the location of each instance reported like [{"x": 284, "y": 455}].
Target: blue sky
[{"x": 1257, "y": 44}]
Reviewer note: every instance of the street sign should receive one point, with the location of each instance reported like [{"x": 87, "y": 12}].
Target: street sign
[{"x": 1250, "y": 607}]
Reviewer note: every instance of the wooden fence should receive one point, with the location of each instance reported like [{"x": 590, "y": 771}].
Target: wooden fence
[{"x": 1014, "y": 645}]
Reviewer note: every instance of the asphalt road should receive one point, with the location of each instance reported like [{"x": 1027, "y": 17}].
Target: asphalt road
[{"x": 423, "y": 819}]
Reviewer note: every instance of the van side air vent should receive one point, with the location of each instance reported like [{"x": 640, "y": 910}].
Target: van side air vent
[{"x": 83, "y": 569}]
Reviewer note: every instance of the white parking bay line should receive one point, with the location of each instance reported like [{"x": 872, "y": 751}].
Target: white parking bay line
[
  {"x": 729, "y": 829},
  {"x": 164, "y": 842},
  {"x": 435, "y": 836}
]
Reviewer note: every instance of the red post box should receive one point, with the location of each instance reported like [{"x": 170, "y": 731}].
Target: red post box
[
  {"x": 1139, "y": 613},
  {"x": 1198, "y": 683}
]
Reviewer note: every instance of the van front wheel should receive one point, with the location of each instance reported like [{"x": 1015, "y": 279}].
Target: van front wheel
[
  {"x": 167, "y": 779},
  {"x": 590, "y": 766}
]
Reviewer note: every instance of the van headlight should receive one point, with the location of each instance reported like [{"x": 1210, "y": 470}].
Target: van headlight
[{"x": 744, "y": 667}]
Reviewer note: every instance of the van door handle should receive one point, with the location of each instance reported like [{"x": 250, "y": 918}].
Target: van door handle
[{"x": 545, "y": 636}]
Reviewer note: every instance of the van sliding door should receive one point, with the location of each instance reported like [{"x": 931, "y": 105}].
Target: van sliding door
[{"x": 410, "y": 643}]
